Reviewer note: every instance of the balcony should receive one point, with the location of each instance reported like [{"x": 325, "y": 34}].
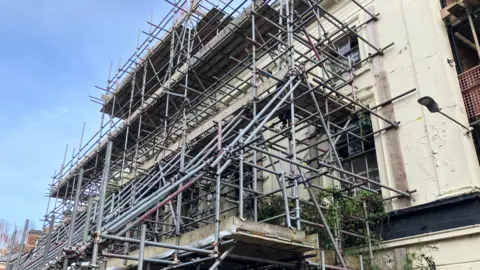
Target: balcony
[
  {"x": 470, "y": 86},
  {"x": 462, "y": 20}
]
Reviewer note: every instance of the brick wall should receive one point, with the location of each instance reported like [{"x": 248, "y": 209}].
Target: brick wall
[{"x": 32, "y": 238}]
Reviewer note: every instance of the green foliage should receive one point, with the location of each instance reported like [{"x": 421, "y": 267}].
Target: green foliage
[
  {"x": 415, "y": 260},
  {"x": 364, "y": 122},
  {"x": 346, "y": 214},
  {"x": 271, "y": 206},
  {"x": 411, "y": 257},
  {"x": 341, "y": 213}
]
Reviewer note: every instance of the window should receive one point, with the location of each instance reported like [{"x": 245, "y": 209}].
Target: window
[
  {"x": 346, "y": 52},
  {"x": 357, "y": 151}
]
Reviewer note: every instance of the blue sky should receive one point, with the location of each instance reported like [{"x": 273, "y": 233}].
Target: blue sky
[{"x": 52, "y": 53}]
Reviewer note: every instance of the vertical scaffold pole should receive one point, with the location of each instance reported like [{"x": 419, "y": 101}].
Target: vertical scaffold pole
[
  {"x": 293, "y": 147},
  {"x": 217, "y": 194},
  {"x": 71, "y": 228},
  {"x": 327, "y": 228},
  {"x": 49, "y": 199},
  {"x": 22, "y": 246},
  {"x": 367, "y": 226},
  {"x": 474, "y": 32},
  {"x": 98, "y": 230},
  {"x": 254, "y": 92},
  {"x": 87, "y": 219},
  {"x": 49, "y": 239},
  {"x": 323, "y": 260},
  {"x": 141, "y": 252},
  {"x": 240, "y": 184}
]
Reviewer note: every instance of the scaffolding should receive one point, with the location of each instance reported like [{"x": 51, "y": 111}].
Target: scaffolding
[{"x": 221, "y": 98}]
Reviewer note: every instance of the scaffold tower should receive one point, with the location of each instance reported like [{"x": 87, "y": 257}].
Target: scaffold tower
[{"x": 224, "y": 140}]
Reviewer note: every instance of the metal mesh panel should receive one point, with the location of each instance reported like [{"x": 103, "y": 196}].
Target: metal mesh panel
[{"x": 470, "y": 86}]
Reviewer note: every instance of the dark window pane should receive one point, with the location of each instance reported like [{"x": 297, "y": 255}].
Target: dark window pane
[
  {"x": 342, "y": 151},
  {"x": 359, "y": 165},
  {"x": 347, "y": 166},
  {"x": 372, "y": 160},
  {"x": 344, "y": 48},
  {"x": 373, "y": 175},
  {"x": 368, "y": 144},
  {"x": 355, "y": 147},
  {"x": 354, "y": 129},
  {"x": 355, "y": 56}
]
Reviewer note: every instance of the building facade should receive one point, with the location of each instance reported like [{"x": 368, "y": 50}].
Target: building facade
[
  {"x": 11, "y": 254},
  {"x": 281, "y": 134}
]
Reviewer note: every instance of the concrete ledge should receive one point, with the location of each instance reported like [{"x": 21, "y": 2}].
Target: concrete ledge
[{"x": 253, "y": 239}]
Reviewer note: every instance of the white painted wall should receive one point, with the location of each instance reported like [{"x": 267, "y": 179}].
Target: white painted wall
[
  {"x": 439, "y": 158},
  {"x": 449, "y": 250}
]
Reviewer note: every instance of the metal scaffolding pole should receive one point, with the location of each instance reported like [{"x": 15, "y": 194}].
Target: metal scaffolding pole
[
  {"x": 141, "y": 253},
  {"x": 98, "y": 229},
  {"x": 203, "y": 122},
  {"x": 18, "y": 262},
  {"x": 49, "y": 239}
]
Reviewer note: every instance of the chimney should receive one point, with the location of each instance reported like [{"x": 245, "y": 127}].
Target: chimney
[{"x": 32, "y": 238}]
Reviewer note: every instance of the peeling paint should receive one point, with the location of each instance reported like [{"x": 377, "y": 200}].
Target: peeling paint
[
  {"x": 427, "y": 57},
  {"x": 435, "y": 158}
]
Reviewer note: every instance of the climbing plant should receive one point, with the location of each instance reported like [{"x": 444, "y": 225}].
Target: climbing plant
[
  {"x": 345, "y": 214},
  {"x": 341, "y": 213},
  {"x": 364, "y": 122}
]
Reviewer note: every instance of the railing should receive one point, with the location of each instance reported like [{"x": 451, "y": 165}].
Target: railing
[{"x": 470, "y": 86}]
